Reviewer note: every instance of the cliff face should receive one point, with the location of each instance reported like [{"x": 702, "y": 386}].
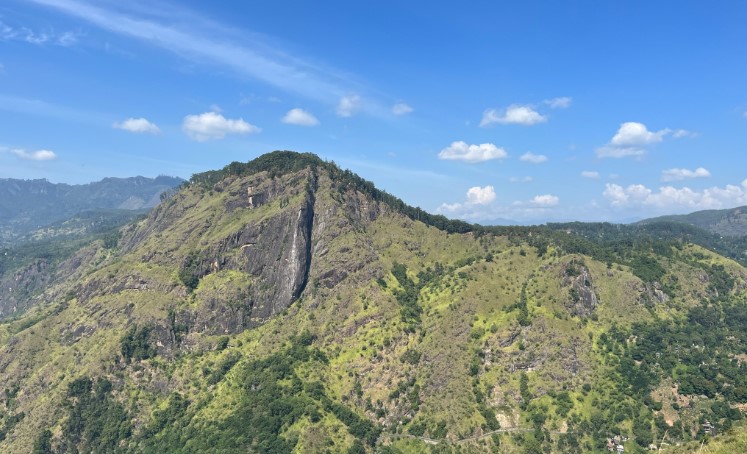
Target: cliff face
[
  {"x": 245, "y": 248},
  {"x": 365, "y": 319}
]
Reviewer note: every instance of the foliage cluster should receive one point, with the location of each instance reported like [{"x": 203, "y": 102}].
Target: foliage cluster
[
  {"x": 135, "y": 344},
  {"x": 272, "y": 397},
  {"x": 95, "y": 422},
  {"x": 698, "y": 353}
]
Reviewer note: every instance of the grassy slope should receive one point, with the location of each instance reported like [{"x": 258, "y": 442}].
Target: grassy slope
[{"x": 467, "y": 319}]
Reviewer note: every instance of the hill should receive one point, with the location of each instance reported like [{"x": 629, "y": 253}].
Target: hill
[
  {"x": 730, "y": 222},
  {"x": 29, "y": 207},
  {"x": 286, "y": 305}
]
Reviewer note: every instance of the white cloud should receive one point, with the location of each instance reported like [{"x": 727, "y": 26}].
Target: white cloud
[
  {"x": 460, "y": 151},
  {"x": 545, "y": 200},
  {"x": 401, "y": 109},
  {"x": 449, "y": 207},
  {"x": 480, "y": 196},
  {"x": 348, "y": 105},
  {"x": 559, "y": 103},
  {"x": 300, "y": 117},
  {"x": 138, "y": 126},
  {"x": 683, "y": 174},
  {"x": 636, "y": 134},
  {"x": 476, "y": 196},
  {"x": 211, "y": 125},
  {"x": 590, "y": 174},
  {"x": 609, "y": 151},
  {"x": 674, "y": 199},
  {"x": 514, "y": 114},
  {"x": 533, "y": 158},
  {"x": 630, "y": 140},
  {"x": 680, "y": 133},
  {"x": 520, "y": 180},
  {"x": 39, "y": 155},
  {"x": 480, "y": 206}
]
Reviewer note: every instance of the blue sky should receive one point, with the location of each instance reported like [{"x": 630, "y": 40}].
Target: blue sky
[{"x": 531, "y": 111}]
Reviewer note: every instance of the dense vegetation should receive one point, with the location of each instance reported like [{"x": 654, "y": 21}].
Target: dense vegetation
[
  {"x": 95, "y": 421},
  {"x": 618, "y": 241},
  {"x": 272, "y": 399}
]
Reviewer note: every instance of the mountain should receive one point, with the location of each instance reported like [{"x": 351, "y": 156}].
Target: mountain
[
  {"x": 286, "y": 305},
  {"x": 28, "y": 207},
  {"x": 731, "y": 222}
]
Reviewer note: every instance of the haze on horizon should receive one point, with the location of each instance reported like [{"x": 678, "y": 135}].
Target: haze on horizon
[{"x": 532, "y": 112}]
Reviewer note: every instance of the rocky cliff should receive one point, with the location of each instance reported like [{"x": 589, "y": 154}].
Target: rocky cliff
[{"x": 285, "y": 305}]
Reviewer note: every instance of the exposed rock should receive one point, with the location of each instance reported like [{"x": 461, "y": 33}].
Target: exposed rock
[
  {"x": 652, "y": 293},
  {"x": 582, "y": 299}
]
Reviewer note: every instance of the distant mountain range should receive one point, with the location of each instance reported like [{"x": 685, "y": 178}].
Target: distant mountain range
[
  {"x": 29, "y": 206},
  {"x": 729, "y": 222}
]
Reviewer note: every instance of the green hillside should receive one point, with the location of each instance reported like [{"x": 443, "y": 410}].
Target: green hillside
[
  {"x": 730, "y": 222},
  {"x": 286, "y": 305}
]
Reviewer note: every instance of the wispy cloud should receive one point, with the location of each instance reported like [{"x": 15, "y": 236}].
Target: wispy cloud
[
  {"x": 348, "y": 105},
  {"x": 202, "y": 41},
  {"x": 38, "y": 155},
  {"x": 684, "y": 133},
  {"x": 401, "y": 108},
  {"x": 559, "y": 103},
  {"x": 28, "y": 35},
  {"x": 684, "y": 174},
  {"x": 138, "y": 126},
  {"x": 41, "y": 108},
  {"x": 533, "y": 158},
  {"x": 592, "y": 174}
]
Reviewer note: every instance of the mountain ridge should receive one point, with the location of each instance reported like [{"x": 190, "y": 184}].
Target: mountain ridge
[
  {"x": 29, "y": 205},
  {"x": 279, "y": 306},
  {"x": 728, "y": 222}
]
